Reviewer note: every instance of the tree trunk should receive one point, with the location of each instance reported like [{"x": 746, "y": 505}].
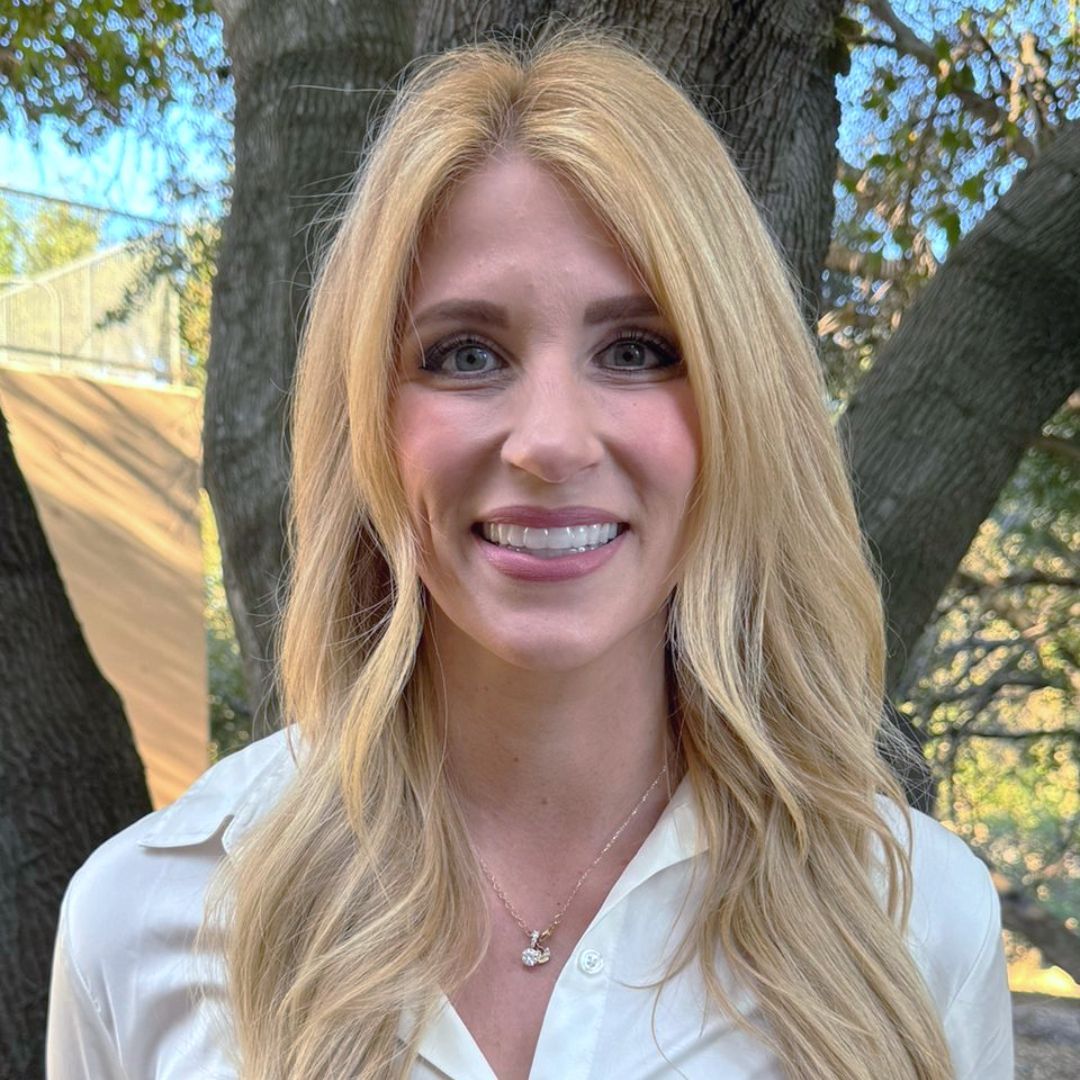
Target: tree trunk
[
  {"x": 985, "y": 355},
  {"x": 306, "y": 74},
  {"x": 763, "y": 73},
  {"x": 298, "y": 133},
  {"x": 994, "y": 336},
  {"x": 1058, "y": 944},
  {"x": 69, "y": 774}
]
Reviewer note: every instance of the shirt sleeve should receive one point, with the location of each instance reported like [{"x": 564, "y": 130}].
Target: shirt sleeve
[
  {"x": 78, "y": 1045},
  {"x": 978, "y": 1022}
]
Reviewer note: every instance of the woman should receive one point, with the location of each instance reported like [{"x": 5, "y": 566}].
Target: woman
[{"x": 582, "y": 653}]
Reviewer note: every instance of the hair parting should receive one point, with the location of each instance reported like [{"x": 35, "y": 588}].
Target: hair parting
[{"x": 352, "y": 906}]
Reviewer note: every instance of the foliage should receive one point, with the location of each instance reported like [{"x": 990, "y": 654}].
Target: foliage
[
  {"x": 196, "y": 277},
  {"x": 54, "y": 234},
  {"x": 230, "y": 719},
  {"x": 185, "y": 258},
  {"x": 943, "y": 109},
  {"x": 96, "y": 66},
  {"x": 994, "y": 688},
  {"x": 155, "y": 69},
  {"x": 9, "y": 241},
  {"x": 59, "y": 234}
]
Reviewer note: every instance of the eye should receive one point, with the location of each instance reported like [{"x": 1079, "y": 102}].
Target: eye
[
  {"x": 460, "y": 356},
  {"x": 636, "y": 350}
]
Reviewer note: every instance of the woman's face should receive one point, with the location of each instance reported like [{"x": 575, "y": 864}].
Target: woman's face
[{"x": 541, "y": 391}]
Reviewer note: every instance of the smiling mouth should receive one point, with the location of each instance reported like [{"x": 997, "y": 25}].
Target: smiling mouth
[{"x": 549, "y": 543}]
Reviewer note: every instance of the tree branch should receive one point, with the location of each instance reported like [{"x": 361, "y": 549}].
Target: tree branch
[
  {"x": 982, "y": 693},
  {"x": 1001, "y": 733},
  {"x": 1066, "y": 449},
  {"x": 968, "y": 583},
  {"x": 910, "y": 44},
  {"x": 1058, "y": 944}
]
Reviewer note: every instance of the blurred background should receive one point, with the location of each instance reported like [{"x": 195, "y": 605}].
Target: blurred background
[{"x": 169, "y": 170}]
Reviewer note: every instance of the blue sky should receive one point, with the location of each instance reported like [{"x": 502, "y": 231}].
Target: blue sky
[
  {"x": 122, "y": 174},
  {"x": 126, "y": 172}
]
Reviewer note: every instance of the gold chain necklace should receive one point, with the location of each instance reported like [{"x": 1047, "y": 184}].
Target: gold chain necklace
[{"x": 536, "y": 952}]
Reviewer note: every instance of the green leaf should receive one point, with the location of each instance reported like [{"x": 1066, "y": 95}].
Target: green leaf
[
  {"x": 950, "y": 222},
  {"x": 964, "y": 78},
  {"x": 972, "y": 187},
  {"x": 847, "y": 29}
]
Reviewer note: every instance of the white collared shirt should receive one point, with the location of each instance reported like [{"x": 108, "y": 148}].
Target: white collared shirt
[{"x": 123, "y": 1003}]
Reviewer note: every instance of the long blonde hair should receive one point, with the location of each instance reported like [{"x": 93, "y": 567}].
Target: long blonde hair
[{"x": 337, "y": 905}]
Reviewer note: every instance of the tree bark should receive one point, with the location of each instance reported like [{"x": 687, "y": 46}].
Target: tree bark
[
  {"x": 306, "y": 74},
  {"x": 69, "y": 774},
  {"x": 1058, "y": 944},
  {"x": 763, "y": 74},
  {"x": 993, "y": 339},
  {"x": 985, "y": 355},
  {"x": 298, "y": 136}
]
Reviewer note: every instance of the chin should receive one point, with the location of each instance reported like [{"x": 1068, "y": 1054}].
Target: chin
[{"x": 558, "y": 655}]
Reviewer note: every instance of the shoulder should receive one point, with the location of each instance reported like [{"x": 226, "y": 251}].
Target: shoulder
[
  {"x": 121, "y": 1001},
  {"x": 951, "y": 885},
  {"x": 954, "y": 935},
  {"x": 157, "y": 868},
  {"x": 955, "y": 912}
]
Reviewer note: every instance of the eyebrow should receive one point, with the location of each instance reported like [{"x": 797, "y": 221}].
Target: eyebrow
[{"x": 600, "y": 311}]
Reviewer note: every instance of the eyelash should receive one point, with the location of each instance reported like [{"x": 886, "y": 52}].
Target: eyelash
[{"x": 432, "y": 357}]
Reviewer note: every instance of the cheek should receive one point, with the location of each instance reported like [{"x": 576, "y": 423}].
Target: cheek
[
  {"x": 666, "y": 440},
  {"x": 434, "y": 445}
]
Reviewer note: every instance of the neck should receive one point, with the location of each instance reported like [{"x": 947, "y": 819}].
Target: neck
[{"x": 553, "y": 760}]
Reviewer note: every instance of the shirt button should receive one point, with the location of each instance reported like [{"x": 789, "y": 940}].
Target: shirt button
[{"x": 590, "y": 961}]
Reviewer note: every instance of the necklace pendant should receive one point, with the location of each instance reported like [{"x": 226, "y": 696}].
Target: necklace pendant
[{"x": 535, "y": 954}]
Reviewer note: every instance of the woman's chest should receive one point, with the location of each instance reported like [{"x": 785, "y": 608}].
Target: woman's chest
[{"x": 592, "y": 1012}]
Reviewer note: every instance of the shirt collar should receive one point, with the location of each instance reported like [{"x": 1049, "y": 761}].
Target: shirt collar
[
  {"x": 229, "y": 797},
  {"x": 675, "y": 838}
]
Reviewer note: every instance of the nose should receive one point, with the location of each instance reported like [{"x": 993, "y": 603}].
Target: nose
[{"x": 552, "y": 424}]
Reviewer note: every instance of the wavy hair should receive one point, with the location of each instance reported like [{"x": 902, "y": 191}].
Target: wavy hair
[{"x": 336, "y": 906}]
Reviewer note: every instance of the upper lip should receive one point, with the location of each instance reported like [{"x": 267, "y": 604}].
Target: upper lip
[{"x": 538, "y": 517}]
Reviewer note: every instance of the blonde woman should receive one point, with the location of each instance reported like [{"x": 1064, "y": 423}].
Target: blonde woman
[{"x": 582, "y": 660}]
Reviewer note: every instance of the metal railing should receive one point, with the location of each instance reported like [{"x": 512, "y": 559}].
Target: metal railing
[{"x": 102, "y": 313}]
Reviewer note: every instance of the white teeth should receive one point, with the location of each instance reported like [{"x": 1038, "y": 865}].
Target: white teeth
[{"x": 563, "y": 540}]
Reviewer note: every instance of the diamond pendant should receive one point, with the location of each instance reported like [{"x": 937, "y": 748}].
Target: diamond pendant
[{"x": 535, "y": 954}]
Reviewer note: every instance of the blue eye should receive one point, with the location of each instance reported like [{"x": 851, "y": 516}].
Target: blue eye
[
  {"x": 467, "y": 356},
  {"x": 631, "y": 352}
]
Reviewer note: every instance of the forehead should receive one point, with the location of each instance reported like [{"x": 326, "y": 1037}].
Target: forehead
[{"x": 513, "y": 223}]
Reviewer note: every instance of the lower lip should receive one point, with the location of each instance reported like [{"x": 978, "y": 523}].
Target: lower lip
[{"x": 525, "y": 567}]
